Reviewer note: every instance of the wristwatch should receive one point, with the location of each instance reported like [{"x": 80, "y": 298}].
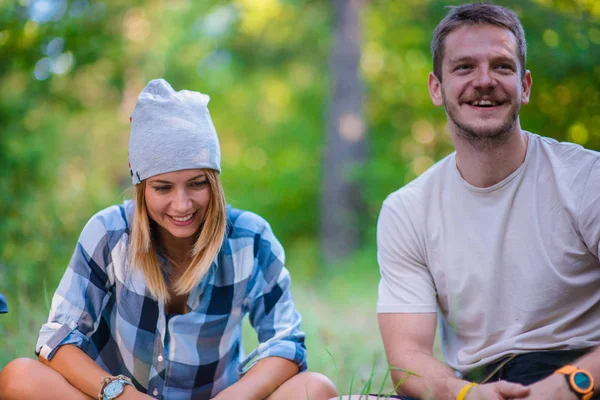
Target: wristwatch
[
  {"x": 113, "y": 386},
  {"x": 580, "y": 381}
]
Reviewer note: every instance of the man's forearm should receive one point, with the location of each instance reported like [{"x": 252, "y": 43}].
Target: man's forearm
[
  {"x": 591, "y": 363},
  {"x": 432, "y": 379},
  {"x": 557, "y": 386}
]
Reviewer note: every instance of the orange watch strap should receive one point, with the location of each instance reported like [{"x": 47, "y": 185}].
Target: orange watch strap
[{"x": 566, "y": 370}]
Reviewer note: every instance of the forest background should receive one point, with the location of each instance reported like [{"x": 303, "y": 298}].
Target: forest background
[{"x": 319, "y": 105}]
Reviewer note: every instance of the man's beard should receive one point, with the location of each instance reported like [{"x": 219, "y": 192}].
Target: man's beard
[{"x": 484, "y": 139}]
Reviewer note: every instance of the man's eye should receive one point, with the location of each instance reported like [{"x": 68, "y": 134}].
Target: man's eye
[
  {"x": 504, "y": 66},
  {"x": 463, "y": 67}
]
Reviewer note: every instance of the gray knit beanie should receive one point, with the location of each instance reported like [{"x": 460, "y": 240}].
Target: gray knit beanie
[{"x": 171, "y": 131}]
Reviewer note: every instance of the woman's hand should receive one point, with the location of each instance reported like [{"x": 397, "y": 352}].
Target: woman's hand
[{"x": 131, "y": 393}]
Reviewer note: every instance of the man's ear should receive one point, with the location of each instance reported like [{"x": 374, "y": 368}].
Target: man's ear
[
  {"x": 526, "y": 84},
  {"x": 435, "y": 90}
]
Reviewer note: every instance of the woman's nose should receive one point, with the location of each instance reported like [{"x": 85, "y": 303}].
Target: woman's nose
[{"x": 182, "y": 201}]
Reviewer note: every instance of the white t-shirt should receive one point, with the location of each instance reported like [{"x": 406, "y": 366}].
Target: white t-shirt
[{"x": 512, "y": 268}]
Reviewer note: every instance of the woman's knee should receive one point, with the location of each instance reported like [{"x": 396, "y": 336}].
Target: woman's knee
[
  {"x": 14, "y": 374},
  {"x": 318, "y": 385},
  {"x": 315, "y": 385}
]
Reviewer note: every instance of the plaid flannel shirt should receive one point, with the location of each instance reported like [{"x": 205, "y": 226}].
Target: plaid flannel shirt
[{"x": 103, "y": 307}]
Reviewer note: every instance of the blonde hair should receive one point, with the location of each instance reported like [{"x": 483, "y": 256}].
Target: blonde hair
[{"x": 143, "y": 243}]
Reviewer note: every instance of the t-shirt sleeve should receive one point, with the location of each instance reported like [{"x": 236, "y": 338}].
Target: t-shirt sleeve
[
  {"x": 406, "y": 285},
  {"x": 589, "y": 214}
]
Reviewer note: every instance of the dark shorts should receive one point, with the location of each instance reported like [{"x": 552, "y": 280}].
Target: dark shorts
[{"x": 524, "y": 368}]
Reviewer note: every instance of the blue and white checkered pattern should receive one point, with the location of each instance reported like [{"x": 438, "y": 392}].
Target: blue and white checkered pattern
[
  {"x": 3, "y": 305},
  {"x": 103, "y": 307}
]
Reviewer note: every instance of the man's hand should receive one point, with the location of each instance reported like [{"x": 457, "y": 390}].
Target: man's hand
[
  {"x": 554, "y": 387},
  {"x": 498, "y": 391}
]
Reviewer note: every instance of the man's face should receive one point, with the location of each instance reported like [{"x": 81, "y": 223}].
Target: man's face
[{"x": 481, "y": 87}]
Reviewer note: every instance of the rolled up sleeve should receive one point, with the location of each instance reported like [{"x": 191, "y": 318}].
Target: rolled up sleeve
[
  {"x": 81, "y": 295},
  {"x": 271, "y": 311}
]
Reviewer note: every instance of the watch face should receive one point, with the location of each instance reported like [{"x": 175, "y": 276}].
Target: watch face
[
  {"x": 582, "y": 381},
  {"x": 112, "y": 389}
]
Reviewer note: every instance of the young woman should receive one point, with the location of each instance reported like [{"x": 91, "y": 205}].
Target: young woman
[{"x": 152, "y": 302}]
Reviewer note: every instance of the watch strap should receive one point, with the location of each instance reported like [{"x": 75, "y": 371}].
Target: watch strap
[
  {"x": 569, "y": 372},
  {"x": 108, "y": 379},
  {"x": 566, "y": 370}
]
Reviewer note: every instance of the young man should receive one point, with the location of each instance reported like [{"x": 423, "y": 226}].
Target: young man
[{"x": 500, "y": 240}]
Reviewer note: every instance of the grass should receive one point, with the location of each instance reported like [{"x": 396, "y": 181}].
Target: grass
[
  {"x": 342, "y": 336},
  {"x": 338, "y": 307}
]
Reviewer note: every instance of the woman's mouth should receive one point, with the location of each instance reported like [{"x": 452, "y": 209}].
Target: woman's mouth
[{"x": 182, "y": 220}]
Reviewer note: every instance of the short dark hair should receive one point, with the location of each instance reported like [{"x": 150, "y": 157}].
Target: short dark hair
[{"x": 475, "y": 14}]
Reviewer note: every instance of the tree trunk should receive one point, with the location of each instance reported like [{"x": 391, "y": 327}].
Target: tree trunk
[{"x": 346, "y": 149}]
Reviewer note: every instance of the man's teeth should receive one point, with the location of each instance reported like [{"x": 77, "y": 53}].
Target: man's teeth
[
  {"x": 484, "y": 103},
  {"x": 183, "y": 219}
]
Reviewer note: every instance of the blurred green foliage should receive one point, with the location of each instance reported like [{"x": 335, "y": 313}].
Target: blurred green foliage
[{"x": 70, "y": 72}]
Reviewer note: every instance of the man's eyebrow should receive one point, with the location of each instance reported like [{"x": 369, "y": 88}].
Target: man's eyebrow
[
  {"x": 496, "y": 58},
  {"x": 461, "y": 59},
  {"x": 504, "y": 59}
]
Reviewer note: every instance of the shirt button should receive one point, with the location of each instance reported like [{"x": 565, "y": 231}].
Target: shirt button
[
  {"x": 155, "y": 392},
  {"x": 160, "y": 358}
]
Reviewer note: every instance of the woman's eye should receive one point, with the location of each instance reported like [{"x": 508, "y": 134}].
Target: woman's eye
[
  {"x": 198, "y": 184},
  {"x": 161, "y": 188}
]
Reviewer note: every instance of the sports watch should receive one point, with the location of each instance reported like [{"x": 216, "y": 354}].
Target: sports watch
[
  {"x": 580, "y": 381},
  {"x": 113, "y": 386}
]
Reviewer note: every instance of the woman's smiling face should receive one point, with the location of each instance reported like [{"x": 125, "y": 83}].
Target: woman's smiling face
[{"x": 178, "y": 201}]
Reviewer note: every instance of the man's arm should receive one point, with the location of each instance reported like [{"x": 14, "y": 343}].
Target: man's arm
[
  {"x": 556, "y": 385},
  {"x": 408, "y": 341}
]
